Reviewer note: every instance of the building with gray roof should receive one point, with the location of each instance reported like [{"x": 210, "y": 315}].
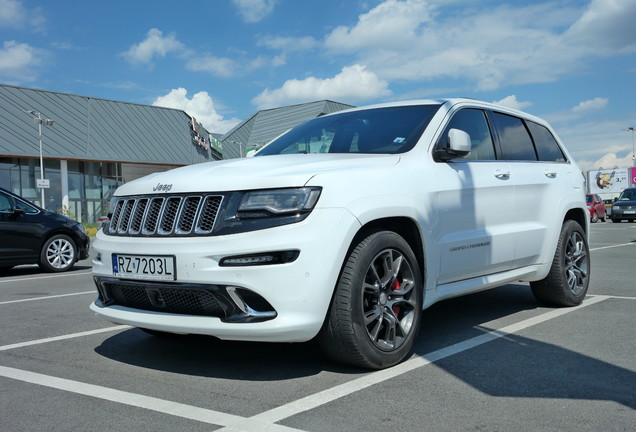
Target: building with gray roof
[{"x": 92, "y": 147}]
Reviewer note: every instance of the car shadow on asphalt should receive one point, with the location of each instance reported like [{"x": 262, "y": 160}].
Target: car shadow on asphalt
[
  {"x": 444, "y": 324},
  {"x": 511, "y": 366}
]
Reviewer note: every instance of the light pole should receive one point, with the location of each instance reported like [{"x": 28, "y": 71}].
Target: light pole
[
  {"x": 631, "y": 129},
  {"x": 240, "y": 147},
  {"x": 37, "y": 119}
]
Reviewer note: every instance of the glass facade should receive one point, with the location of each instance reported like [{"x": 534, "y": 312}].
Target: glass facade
[{"x": 90, "y": 184}]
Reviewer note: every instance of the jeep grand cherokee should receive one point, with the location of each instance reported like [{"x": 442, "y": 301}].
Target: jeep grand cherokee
[{"x": 347, "y": 227}]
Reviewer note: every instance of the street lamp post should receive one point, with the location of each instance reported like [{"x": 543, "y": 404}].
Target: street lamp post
[
  {"x": 631, "y": 129},
  {"x": 37, "y": 119}
]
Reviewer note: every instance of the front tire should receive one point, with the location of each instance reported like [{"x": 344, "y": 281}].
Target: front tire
[
  {"x": 58, "y": 254},
  {"x": 375, "y": 313},
  {"x": 569, "y": 277}
]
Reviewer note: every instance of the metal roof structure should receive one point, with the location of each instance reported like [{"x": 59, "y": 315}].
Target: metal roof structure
[
  {"x": 95, "y": 129},
  {"x": 266, "y": 125}
]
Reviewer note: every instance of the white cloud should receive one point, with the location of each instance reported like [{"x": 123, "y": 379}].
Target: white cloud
[
  {"x": 389, "y": 25},
  {"x": 591, "y": 105},
  {"x": 288, "y": 44},
  {"x": 353, "y": 83},
  {"x": 606, "y": 25},
  {"x": 155, "y": 45},
  {"x": 201, "y": 107},
  {"x": 492, "y": 46},
  {"x": 225, "y": 67},
  {"x": 607, "y": 161},
  {"x": 19, "y": 60},
  {"x": 512, "y": 102},
  {"x": 254, "y": 11},
  {"x": 219, "y": 66},
  {"x": 14, "y": 15}
]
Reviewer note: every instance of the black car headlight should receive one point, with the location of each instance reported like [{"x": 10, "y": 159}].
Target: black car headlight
[{"x": 277, "y": 202}]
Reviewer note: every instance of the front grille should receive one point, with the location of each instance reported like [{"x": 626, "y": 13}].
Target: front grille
[
  {"x": 182, "y": 298},
  {"x": 160, "y": 216}
]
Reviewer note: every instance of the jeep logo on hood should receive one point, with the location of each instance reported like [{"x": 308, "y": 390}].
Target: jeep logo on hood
[{"x": 162, "y": 187}]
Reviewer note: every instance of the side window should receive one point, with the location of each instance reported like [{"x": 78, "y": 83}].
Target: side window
[
  {"x": 28, "y": 209},
  {"x": 473, "y": 122},
  {"x": 547, "y": 147},
  {"x": 5, "y": 204},
  {"x": 514, "y": 138}
]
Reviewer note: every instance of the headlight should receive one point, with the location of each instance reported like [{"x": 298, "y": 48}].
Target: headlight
[{"x": 278, "y": 202}]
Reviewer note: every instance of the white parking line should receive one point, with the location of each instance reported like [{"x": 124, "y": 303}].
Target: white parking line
[
  {"x": 329, "y": 395},
  {"x": 137, "y": 400},
  {"x": 49, "y": 297},
  {"x": 15, "y": 279},
  {"x": 266, "y": 421},
  {"x": 63, "y": 337},
  {"x": 613, "y": 246}
]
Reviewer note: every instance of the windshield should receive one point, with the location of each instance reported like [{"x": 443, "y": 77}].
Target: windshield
[
  {"x": 378, "y": 130},
  {"x": 628, "y": 195}
]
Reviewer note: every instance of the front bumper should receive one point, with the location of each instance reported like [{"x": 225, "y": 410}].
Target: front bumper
[
  {"x": 624, "y": 212},
  {"x": 298, "y": 293}
]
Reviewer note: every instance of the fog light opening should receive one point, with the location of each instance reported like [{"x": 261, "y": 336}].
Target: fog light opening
[{"x": 248, "y": 314}]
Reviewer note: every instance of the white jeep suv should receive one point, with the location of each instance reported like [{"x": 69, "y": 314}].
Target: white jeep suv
[{"x": 347, "y": 227}]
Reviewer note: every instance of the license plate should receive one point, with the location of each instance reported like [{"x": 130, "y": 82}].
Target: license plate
[
  {"x": 155, "y": 267},
  {"x": 629, "y": 212}
]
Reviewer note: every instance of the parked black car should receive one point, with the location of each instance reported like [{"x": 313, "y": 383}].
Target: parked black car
[
  {"x": 624, "y": 207},
  {"x": 30, "y": 234}
]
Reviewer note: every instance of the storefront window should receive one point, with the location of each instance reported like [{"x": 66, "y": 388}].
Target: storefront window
[
  {"x": 91, "y": 185},
  {"x": 76, "y": 194},
  {"x": 53, "y": 195}
]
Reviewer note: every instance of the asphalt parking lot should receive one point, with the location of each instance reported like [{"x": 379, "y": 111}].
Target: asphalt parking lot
[{"x": 491, "y": 361}]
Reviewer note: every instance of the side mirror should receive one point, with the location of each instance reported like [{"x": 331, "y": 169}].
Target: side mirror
[
  {"x": 458, "y": 145},
  {"x": 18, "y": 211}
]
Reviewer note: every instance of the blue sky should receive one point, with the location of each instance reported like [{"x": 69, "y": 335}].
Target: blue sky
[{"x": 572, "y": 62}]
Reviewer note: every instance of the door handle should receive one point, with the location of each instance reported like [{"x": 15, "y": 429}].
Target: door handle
[
  {"x": 550, "y": 174},
  {"x": 502, "y": 174}
]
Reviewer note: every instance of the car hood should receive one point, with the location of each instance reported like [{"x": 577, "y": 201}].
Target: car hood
[
  {"x": 624, "y": 203},
  {"x": 253, "y": 173}
]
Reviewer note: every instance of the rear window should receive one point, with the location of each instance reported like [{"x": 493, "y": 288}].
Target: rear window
[{"x": 378, "y": 130}]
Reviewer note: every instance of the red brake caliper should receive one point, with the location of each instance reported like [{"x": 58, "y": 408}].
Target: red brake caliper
[{"x": 396, "y": 286}]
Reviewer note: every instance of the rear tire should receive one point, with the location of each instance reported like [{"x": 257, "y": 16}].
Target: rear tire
[
  {"x": 375, "y": 313},
  {"x": 569, "y": 277},
  {"x": 594, "y": 217}
]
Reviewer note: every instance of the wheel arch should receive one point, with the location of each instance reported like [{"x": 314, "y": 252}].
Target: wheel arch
[
  {"x": 579, "y": 216},
  {"x": 405, "y": 227}
]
